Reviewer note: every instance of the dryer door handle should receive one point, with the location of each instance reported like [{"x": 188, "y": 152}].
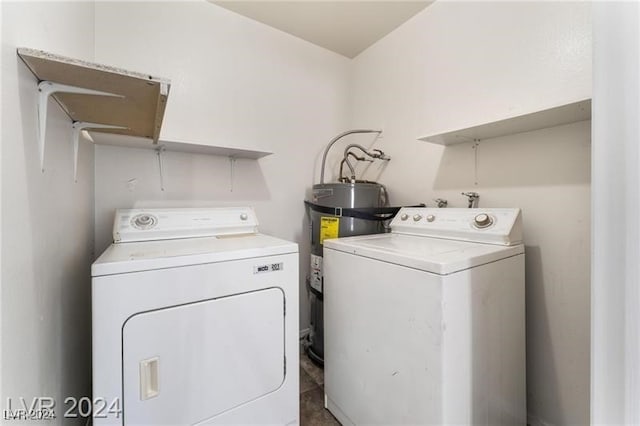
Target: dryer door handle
[{"x": 149, "y": 378}]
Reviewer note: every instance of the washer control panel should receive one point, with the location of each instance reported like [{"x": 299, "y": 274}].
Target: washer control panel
[
  {"x": 164, "y": 224},
  {"x": 490, "y": 225}
]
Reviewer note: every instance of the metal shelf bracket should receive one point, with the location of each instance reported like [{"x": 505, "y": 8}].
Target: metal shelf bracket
[
  {"x": 48, "y": 88},
  {"x": 160, "y": 151},
  {"x": 232, "y": 167}
]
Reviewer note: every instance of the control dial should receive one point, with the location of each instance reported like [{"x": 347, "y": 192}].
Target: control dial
[
  {"x": 244, "y": 216},
  {"x": 482, "y": 220},
  {"x": 404, "y": 216},
  {"x": 431, "y": 218},
  {"x": 417, "y": 217},
  {"x": 144, "y": 221}
]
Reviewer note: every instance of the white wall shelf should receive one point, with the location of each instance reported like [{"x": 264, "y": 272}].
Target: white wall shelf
[
  {"x": 95, "y": 96},
  {"x": 101, "y": 138},
  {"x": 117, "y": 107},
  {"x": 557, "y": 116},
  {"x": 165, "y": 145}
]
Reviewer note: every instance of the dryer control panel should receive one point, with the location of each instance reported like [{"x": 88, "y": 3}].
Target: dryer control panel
[
  {"x": 486, "y": 225},
  {"x": 165, "y": 224}
]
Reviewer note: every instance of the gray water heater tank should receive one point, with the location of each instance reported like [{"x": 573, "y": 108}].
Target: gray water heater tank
[{"x": 329, "y": 223}]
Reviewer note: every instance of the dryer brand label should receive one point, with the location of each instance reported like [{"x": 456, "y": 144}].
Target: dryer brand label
[{"x": 270, "y": 267}]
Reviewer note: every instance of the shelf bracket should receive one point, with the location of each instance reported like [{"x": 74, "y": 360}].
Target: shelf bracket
[
  {"x": 78, "y": 127},
  {"x": 476, "y": 147},
  {"x": 48, "y": 88},
  {"x": 232, "y": 166},
  {"x": 159, "y": 151}
]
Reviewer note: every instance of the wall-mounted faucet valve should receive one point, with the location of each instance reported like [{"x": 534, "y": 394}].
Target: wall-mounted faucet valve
[
  {"x": 473, "y": 198},
  {"x": 441, "y": 203}
]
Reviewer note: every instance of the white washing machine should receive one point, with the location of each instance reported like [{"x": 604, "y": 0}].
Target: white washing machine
[
  {"x": 195, "y": 321},
  {"x": 426, "y": 324}
]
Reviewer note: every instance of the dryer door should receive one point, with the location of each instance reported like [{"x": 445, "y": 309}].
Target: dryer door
[{"x": 188, "y": 363}]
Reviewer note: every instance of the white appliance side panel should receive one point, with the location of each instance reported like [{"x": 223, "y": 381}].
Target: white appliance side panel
[
  {"x": 209, "y": 357},
  {"x": 382, "y": 341},
  {"x": 484, "y": 356}
]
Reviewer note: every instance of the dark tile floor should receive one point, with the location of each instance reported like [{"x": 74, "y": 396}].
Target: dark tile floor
[{"x": 312, "y": 411}]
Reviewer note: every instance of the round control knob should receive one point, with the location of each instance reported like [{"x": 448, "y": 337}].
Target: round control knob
[
  {"x": 244, "y": 216},
  {"x": 482, "y": 220},
  {"x": 404, "y": 216},
  {"x": 431, "y": 218},
  {"x": 417, "y": 217},
  {"x": 144, "y": 221}
]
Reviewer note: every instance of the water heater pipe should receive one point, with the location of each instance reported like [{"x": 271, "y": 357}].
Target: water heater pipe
[
  {"x": 336, "y": 139},
  {"x": 376, "y": 153}
]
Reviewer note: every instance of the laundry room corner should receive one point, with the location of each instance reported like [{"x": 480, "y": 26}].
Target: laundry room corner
[
  {"x": 47, "y": 218},
  {"x": 319, "y": 212}
]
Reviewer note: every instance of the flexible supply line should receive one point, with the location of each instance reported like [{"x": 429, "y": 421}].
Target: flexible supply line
[
  {"x": 336, "y": 139},
  {"x": 345, "y": 160},
  {"x": 375, "y": 154}
]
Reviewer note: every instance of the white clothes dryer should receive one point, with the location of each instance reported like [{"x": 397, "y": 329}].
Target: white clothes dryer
[
  {"x": 195, "y": 321},
  {"x": 426, "y": 324}
]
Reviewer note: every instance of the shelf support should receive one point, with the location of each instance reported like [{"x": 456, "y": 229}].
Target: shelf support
[
  {"x": 232, "y": 166},
  {"x": 78, "y": 127},
  {"x": 45, "y": 90},
  {"x": 159, "y": 151},
  {"x": 476, "y": 147}
]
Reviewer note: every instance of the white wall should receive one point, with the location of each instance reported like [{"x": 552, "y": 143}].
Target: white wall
[
  {"x": 1, "y": 127},
  {"x": 455, "y": 65},
  {"x": 47, "y": 219},
  {"x": 615, "y": 346},
  {"x": 235, "y": 82}
]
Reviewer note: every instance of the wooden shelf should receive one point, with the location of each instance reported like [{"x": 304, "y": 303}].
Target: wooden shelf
[
  {"x": 178, "y": 146},
  {"x": 139, "y": 103},
  {"x": 116, "y": 106},
  {"x": 564, "y": 114}
]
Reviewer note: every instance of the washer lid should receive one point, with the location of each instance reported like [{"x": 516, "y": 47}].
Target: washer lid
[
  {"x": 149, "y": 255},
  {"x": 435, "y": 255}
]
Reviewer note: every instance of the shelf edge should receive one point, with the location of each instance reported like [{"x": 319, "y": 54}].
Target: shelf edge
[
  {"x": 556, "y": 116},
  {"x": 173, "y": 145}
]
